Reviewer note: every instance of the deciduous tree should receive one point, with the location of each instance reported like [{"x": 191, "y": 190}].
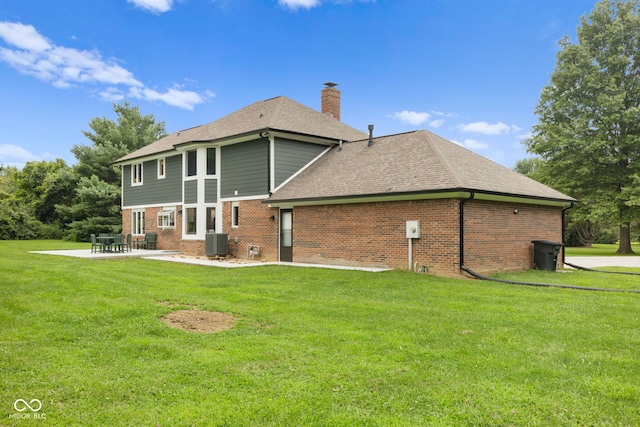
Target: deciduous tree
[{"x": 588, "y": 130}]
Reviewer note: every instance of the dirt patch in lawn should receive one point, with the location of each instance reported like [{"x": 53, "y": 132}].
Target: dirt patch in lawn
[{"x": 199, "y": 320}]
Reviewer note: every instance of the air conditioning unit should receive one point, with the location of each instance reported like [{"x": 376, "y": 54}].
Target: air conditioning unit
[{"x": 216, "y": 244}]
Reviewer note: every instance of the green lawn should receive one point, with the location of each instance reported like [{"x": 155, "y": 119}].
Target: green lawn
[
  {"x": 311, "y": 347},
  {"x": 600, "y": 249}
]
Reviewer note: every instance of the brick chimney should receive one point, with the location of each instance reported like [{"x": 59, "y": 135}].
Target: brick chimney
[{"x": 330, "y": 100}]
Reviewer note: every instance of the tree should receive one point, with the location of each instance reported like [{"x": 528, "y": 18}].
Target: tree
[
  {"x": 588, "y": 130},
  {"x": 96, "y": 205},
  {"x": 17, "y": 220},
  {"x": 113, "y": 140}
]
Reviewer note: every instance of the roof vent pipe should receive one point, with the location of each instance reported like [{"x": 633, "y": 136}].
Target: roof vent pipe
[{"x": 370, "y": 136}]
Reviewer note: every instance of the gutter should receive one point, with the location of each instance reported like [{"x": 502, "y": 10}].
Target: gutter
[{"x": 415, "y": 195}]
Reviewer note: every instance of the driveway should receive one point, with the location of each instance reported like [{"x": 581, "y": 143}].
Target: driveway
[{"x": 604, "y": 261}]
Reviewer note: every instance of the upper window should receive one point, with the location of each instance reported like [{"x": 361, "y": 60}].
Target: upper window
[
  {"x": 136, "y": 174},
  {"x": 192, "y": 167},
  {"x": 211, "y": 161},
  {"x": 161, "y": 168}
]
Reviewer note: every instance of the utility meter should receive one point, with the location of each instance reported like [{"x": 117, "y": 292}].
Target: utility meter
[{"x": 413, "y": 229}]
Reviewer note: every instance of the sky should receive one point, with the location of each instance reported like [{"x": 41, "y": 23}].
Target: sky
[{"x": 470, "y": 71}]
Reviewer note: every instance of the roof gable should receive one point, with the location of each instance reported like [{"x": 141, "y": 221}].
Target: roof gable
[
  {"x": 280, "y": 113},
  {"x": 412, "y": 162}
]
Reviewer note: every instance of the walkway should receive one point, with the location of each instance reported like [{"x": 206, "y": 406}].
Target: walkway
[{"x": 175, "y": 256}]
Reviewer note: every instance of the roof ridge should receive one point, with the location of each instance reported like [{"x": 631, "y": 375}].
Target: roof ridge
[
  {"x": 385, "y": 136},
  {"x": 276, "y": 110},
  {"x": 436, "y": 147}
]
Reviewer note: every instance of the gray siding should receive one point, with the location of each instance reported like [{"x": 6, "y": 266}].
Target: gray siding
[
  {"x": 291, "y": 156},
  {"x": 154, "y": 191},
  {"x": 244, "y": 169},
  {"x": 191, "y": 191},
  {"x": 211, "y": 191}
]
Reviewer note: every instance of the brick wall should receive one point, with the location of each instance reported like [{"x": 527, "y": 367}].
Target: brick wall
[
  {"x": 254, "y": 229},
  {"x": 169, "y": 239},
  {"x": 374, "y": 234},
  {"x": 497, "y": 239}
]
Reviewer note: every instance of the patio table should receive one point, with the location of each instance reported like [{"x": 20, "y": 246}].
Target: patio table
[{"x": 107, "y": 241}]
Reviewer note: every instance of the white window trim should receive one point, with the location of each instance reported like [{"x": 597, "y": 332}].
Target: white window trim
[
  {"x": 134, "y": 222},
  {"x": 134, "y": 168},
  {"x": 167, "y": 218},
  {"x": 185, "y": 219},
  {"x": 162, "y": 172},
  {"x": 217, "y": 151},
  {"x": 186, "y": 164},
  {"x": 235, "y": 213}
]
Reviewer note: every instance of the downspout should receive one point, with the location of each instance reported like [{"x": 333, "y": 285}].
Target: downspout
[
  {"x": 564, "y": 226},
  {"x": 267, "y": 137},
  {"x": 461, "y": 235}
]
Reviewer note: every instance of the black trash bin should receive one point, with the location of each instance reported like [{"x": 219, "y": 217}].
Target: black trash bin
[{"x": 545, "y": 254}]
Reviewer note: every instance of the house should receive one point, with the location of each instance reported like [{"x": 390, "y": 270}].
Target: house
[{"x": 288, "y": 183}]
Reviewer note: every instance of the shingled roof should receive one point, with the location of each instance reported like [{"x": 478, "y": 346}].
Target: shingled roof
[
  {"x": 408, "y": 163},
  {"x": 280, "y": 113}
]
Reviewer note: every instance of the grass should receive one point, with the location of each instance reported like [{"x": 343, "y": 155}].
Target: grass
[
  {"x": 600, "y": 249},
  {"x": 311, "y": 347}
]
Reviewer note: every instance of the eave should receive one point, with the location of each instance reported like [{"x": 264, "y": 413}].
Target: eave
[{"x": 459, "y": 193}]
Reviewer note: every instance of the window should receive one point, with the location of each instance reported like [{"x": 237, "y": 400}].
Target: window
[
  {"x": 167, "y": 218},
  {"x": 211, "y": 161},
  {"x": 137, "y": 222},
  {"x": 211, "y": 220},
  {"x": 192, "y": 167},
  {"x": 234, "y": 214},
  {"x": 136, "y": 174},
  {"x": 161, "y": 168},
  {"x": 191, "y": 220}
]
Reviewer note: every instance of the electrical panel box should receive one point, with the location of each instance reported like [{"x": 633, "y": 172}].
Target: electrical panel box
[{"x": 413, "y": 229}]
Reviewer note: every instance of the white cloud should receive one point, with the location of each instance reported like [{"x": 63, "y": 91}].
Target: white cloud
[
  {"x": 436, "y": 123},
  {"x": 411, "y": 117},
  {"x": 488, "y": 128},
  {"x": 23, "y": 36},
  {"x": 14, "y": 155},
  {"x": 296, "y": 4},
  {"x": 472, "y": 144},
  {"x": 155, "y": 6},
  {"x": 32, "y": 54},
  {"x": 185, "y": 99},
  {"x": 308, "y": 4},
  {"x": 415, "y": 118}
]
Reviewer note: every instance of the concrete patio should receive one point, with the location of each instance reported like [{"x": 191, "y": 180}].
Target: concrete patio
[{"x": 176, "y": 256}]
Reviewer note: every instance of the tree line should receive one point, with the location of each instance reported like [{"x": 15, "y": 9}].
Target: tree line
[{"x": 52, "y": 200}]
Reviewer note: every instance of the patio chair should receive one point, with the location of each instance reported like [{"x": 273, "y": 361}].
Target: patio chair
[
  {"x": 95, "y": 245},
  {"x": 149, "y": 241},
  {"x": 127, "y": 244},
  {"x": 118, "y": 243}
]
